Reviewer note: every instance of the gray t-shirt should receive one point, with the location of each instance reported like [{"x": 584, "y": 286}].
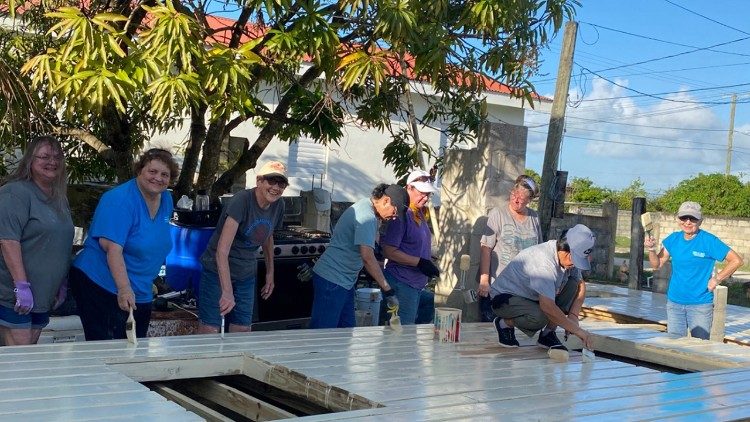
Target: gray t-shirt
[
  {"x": 46, "y": 237},
  {"x": 533, "y": 272},
  {"x": 255, "y": 225},
  {"x": 506, "y": 237}
]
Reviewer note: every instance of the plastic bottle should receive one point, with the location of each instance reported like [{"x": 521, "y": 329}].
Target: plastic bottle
[{"x": 201, "y": 200}]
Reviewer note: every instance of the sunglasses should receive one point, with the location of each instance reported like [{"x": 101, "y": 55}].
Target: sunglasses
[
  {"x": 276, "y": 181},
  {"x": 689, "y": 218}
]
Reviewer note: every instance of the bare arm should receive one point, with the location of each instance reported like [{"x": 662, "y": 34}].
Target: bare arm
[
  {"x": 116, "y": 264},
  {"x": 13, "y": 260},
  {"x": 228, "y": 231},
  {"x": 656, "y": 256},
  {"x": 399, "y": 256},
  {"x": 372, "y": 267},
  {"x": 734, "y": 261},
  {"x": 484, "y": 270},
  {"x": 558, "y": 318},
  {"x": 267, "y": 289}
]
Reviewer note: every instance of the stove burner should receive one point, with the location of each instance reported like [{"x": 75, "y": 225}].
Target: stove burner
[{"x": 299, "y": 242}]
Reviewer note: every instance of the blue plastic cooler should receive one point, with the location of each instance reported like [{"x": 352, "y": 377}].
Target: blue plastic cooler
[{"x": 183, "y": 262}]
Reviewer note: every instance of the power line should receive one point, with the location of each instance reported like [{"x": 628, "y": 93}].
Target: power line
[
  {"x": 665, "y": 93},
  {"x": 665, "y": 41},
  {"x": 674, "y": 55},
  {"x": 654, "y": 96},
  {"x": 706, "y": 17}
]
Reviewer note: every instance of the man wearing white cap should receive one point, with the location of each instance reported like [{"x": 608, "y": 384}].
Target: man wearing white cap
[
  {"x": 541, "y": 288},
  {"x": 694, "y": 253},
  {"x": 407, "y": 243}
]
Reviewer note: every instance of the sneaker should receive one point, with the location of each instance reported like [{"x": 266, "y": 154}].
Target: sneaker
[
  {"x": 505, "y": 336},
  {"x": 550, "y": 341}
]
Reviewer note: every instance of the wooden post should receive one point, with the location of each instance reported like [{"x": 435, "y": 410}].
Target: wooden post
[
  {"x": 635, "y": 269},
  {"x": 556, "y": 126},
  {"x": 720, "y": 314}
]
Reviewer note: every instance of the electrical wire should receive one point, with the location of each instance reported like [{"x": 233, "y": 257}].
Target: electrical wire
[{"x": 706, "y": 17}]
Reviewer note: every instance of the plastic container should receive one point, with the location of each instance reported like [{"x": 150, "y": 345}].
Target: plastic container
[
  {"x": 367, "y": 306},
  {"x": 201, "y": 201},
  {"x": 183, "y": 262}
]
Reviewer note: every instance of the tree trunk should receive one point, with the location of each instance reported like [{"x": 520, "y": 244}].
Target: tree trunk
[
  {"x": 211, "y": 154},
  {"x": 190, "y": 163},
  {"x": 115, "y": 130},
  {"x": 249, "y": 157}
]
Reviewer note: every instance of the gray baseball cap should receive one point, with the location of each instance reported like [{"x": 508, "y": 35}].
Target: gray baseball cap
[
  {"x": 581, "y": 241},
  {"x": 690, "y": 208}
]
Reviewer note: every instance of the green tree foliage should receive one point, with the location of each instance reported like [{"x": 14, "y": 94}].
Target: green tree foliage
[
  {"x": 116, "y": 72},
  {"x": 624, "y": 198},
  {"x": 582, "y": 189},
  {"x": 718, "y": 194}
]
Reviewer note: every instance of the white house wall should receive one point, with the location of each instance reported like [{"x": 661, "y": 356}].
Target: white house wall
[{"x": 355, "y": 165}]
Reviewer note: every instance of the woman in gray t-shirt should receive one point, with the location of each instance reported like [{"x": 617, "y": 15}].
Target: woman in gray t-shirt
[
  {"x": 36, "y": 237},
  {"x": 509, "y": 229}
]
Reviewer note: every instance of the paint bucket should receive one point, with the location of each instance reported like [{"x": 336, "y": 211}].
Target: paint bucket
[
  {"x": 367, "y": 307},
  {"x": 448, "y": 325}
]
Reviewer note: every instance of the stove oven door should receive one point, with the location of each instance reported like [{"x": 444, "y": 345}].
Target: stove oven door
[{"x": 290, "y": 304}]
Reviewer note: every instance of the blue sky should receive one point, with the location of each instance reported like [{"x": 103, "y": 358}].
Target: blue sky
[{"x": 614, "y": 133}]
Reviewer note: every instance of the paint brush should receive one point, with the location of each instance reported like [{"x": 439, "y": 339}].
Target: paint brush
[
  {"x": 130, "y": 328},
  {"x": 588, "y": 355},
  {"x": 647, "y": 223},
  {"x": 395, "y": 321},
  {"x": 222, "y": 327}
]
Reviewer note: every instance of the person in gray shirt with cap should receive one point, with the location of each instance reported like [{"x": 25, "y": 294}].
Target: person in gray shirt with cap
[{"x": 541, "y": 288}]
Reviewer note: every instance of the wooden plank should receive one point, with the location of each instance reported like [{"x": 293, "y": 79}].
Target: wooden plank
[
  {"x": 236, "y": 400},
  {"x": 720, "y": 314},
  {"x": 190, "y": 404}
]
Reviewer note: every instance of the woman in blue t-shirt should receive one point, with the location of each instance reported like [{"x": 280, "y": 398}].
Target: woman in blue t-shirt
[
  {"x": 126, "y": 245},
  {"x": 694, "y": 253}
]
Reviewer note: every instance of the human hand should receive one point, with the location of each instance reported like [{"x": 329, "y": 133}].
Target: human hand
[
  {"x": 390, "y": 299},
  {"x": 484, "y": 285},
  {"x": 712, "y": 283},
  {"x": 650, "y": 243},
  {"x": 126, "y": 299},
  {"x": 267, "y": 289},
  {"x": 226, "y": 302},
  {"x": 427, "y": 268},
  {"x": 62, "y": 294},
  {"x": 586, "y": 338},
  {"x": 24, "y": 297}
]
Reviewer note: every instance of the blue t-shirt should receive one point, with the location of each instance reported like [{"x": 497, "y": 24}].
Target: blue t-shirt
[
  {"x": 692, "y": 264},
  {"x": 122, "y": 217},
  {"x": 341, "y": 262},
  {"x": 412, "y": 239}
]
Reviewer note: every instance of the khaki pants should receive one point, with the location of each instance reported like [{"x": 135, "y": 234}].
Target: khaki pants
[{"x": 526, "y": 314}]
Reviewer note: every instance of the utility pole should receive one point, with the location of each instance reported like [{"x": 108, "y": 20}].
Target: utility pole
[
  {"x": 730, "y": 136},
  {"x": 556, "y": 126}
]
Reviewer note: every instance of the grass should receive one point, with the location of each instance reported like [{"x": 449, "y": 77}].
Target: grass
[{"x": 737, "y": 295}]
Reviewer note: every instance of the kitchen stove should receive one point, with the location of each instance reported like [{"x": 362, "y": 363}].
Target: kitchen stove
[{"x": 290, "y": 304}]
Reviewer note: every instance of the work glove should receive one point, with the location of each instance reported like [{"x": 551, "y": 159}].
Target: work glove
[
  {"x": 62, "y": 294},
  {"x": 24, "y": 297},
  {"x": 391, "y": 300},
  {"x": 428, "y": 268}
]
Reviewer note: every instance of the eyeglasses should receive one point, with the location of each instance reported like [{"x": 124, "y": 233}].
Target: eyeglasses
[
  {"x": 689, "y": 218},
  {"x": 276, "y": 181},
  {"x": 49, "y": 158},
  {"x": 159, "y": 152}
]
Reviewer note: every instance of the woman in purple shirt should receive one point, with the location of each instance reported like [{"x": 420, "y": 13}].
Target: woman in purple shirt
[{"x": 407, "y": 244}]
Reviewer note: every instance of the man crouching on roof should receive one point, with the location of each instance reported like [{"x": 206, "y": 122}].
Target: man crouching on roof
[
  {"x": 542, "y": 288},
  {"x": 352, "y": 246}
]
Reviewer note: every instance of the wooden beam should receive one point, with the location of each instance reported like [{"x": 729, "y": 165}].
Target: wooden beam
[
  {"x": 190, "y": 404},
  {"x": 236, "y": 400},
  {"x": 720, "y": 314}
]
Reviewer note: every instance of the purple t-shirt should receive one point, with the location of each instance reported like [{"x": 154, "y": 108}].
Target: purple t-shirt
[{"x": 412, "y": 239}]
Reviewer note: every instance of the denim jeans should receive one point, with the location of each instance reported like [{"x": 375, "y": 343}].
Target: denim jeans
[
  {"x": 408, "y": 300},
  {"x": 696, "y": 318},
  {"x": 333, "y": 305},
  {"x": 210, "y": 294}
]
